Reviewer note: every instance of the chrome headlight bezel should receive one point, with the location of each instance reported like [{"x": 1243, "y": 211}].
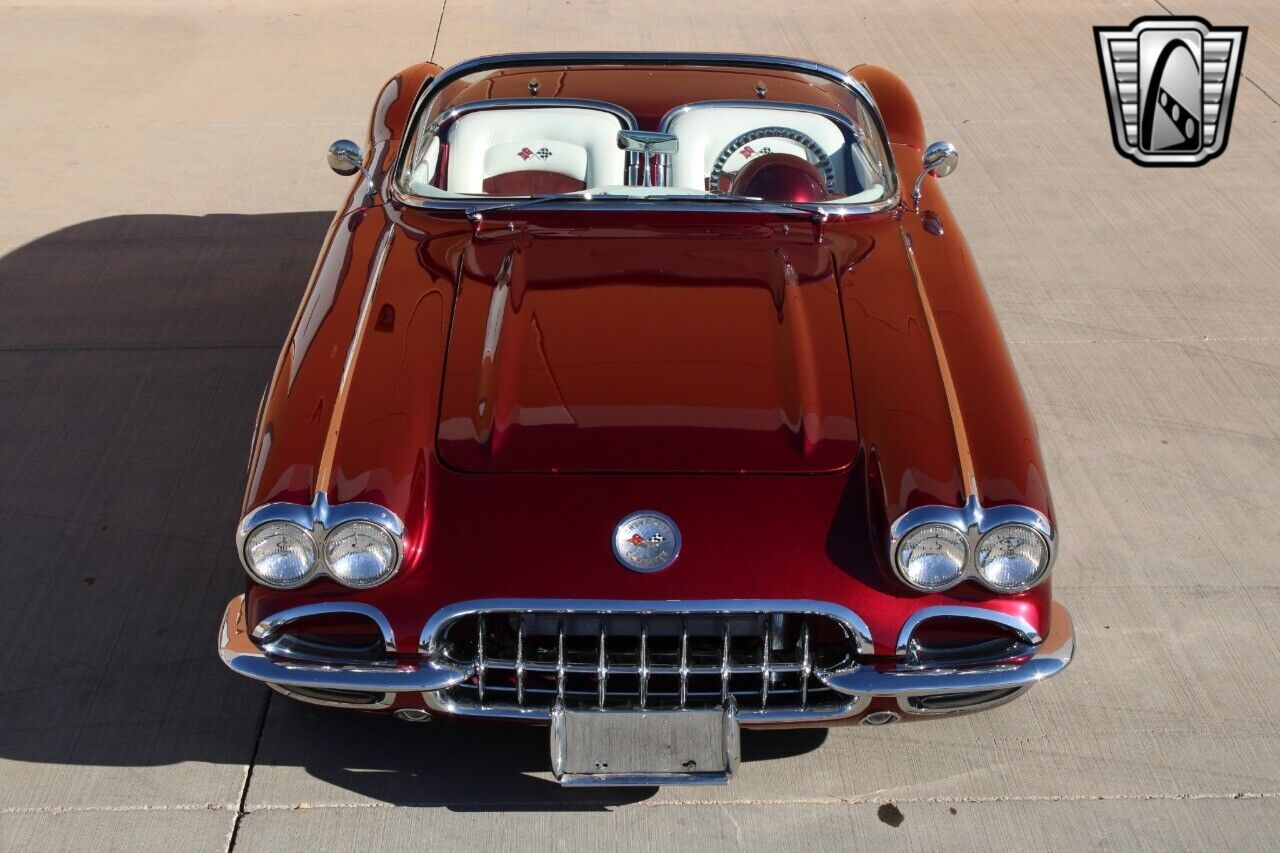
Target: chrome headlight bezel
[
  {"x": 321, "y": 519},
  {"x": 974, "y": 522}
]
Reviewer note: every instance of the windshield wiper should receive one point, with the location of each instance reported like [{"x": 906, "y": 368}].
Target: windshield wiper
[
  {"x": 778, "y": 207},
  {"x": 743, "y": 201},
  {"x": 538, "y": 200}
]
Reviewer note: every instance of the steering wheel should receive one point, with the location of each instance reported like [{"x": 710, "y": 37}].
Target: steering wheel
[{"x": 819, "y": 157}]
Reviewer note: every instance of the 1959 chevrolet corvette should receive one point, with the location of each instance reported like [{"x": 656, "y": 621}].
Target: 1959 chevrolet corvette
[{"x": 646, "y": 396}]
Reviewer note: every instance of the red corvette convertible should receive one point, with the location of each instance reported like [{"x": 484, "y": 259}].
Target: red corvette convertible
[{"x": 646, "y": 396}]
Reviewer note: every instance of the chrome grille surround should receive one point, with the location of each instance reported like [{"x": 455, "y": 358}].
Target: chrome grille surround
[{"x": 527, "y": 654}]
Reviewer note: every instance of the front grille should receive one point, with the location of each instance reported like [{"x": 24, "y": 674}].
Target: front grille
[{"x": 769, "y": 663}]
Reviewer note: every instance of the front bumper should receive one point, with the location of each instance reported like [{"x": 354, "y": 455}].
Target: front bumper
[{"x": 243, "y": 655}]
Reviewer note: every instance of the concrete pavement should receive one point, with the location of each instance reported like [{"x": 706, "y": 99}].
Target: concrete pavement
[{"x": 165, "y": 197}]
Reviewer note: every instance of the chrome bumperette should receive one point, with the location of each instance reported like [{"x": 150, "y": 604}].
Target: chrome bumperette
[
  {"x": 972, "y": 521},
  {"x": 1029, "y": 635},
  {"x": 517, "y": 60},
  {"x": 319, "y": 518},
  {"x": 242, "y": 655},
  {"x": 1051, "y": 657},
  {"x": 271, "y": 627}
]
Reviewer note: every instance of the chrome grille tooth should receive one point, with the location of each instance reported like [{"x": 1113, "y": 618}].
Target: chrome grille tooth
[
  {"x": 602, "y": 670},
  {"x": 520, "y": 632},
  {"x": 644, "y": 662},
  {"x": 684, "y": 664},
  {"x": 560, "y": 661},
  {"x": 766, "y": 640},
  {"x": 480, "y": 657},
  {"x": 806, "y": 665},
  {"x": 724, "y": 664}
]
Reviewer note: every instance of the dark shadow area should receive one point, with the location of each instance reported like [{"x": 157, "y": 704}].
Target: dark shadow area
[
  {"x": 133, "y": 353},
  {"x": 462, "y": 765}
]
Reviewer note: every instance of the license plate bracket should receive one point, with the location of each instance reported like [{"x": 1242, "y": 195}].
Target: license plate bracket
[{"x": 642, "y": 747}]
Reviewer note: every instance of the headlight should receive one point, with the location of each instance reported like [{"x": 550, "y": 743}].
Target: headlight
[
  {"x": 280, "y": 554},
  {"x": 1011, "y": 557},
  {"x": 360, "y": 554},
  {"x": 932, "y": 556}
]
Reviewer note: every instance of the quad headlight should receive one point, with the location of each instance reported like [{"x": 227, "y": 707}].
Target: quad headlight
[
  {"x": 286, "y": 545},
  {"x": 360, "y": 553},
  {"x": 280, "y": 554},
  {"x": 932, "y": 556},
  {"x": 1007, "y": 548},
  {"x": 1011, "y": 557}
]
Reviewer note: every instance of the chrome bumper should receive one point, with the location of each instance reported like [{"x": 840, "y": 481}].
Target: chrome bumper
[{"x": 242, "y": 655}]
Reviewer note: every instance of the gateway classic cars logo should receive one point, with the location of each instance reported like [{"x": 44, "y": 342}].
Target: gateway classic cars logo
[{"x": 1170, "y": 86}]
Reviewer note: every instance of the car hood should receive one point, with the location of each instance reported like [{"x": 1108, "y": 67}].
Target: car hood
[{"x": 611, "y": 350}]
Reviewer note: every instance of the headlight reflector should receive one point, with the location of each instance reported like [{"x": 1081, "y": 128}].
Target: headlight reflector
[
  {"x": 932, "y": 556},
  {"x": 360, "y": 554},
  {"x": 1011, "y": 557},
  {"x": 279, "y": 553}
]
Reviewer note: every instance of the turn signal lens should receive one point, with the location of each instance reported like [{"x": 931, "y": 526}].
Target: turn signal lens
[
  {"x": 1012, "y": 557},
  {"x": 280, "y": 554},
  {"x": 932, "y": 556},
  {"x": 361, "y": 554}
]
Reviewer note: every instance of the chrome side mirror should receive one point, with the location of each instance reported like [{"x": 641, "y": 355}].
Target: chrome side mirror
[
  {"x": 346, "y": 158},
  {"x": 940, "y": 159},
  {"x": 643, "y": 145}
]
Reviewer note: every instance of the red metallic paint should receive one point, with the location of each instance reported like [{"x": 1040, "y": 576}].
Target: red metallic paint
[
  {"x": 724, "y": 326},
  {"x": 572, "y": 350},
  {"x": 897, "y": 105}
]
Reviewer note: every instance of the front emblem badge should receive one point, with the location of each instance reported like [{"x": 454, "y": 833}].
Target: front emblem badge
[
  {"x": 646, "y": 541},
  {"x": 1171, "y": 87}
]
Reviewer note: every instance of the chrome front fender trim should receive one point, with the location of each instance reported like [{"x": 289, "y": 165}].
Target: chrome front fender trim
[{"x": 243, "y": 656}]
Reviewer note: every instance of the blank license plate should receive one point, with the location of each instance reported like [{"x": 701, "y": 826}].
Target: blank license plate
[{"x": 633, "y": 747}]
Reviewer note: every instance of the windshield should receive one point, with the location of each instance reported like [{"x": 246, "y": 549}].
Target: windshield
[{"x": 533, "y": 147}]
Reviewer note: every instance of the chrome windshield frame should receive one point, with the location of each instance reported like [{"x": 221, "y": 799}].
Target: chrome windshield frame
[{"x": 472, "y": 205}]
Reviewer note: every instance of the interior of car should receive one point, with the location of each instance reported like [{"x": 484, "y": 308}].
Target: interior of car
[{"x": 546, "y": 147}]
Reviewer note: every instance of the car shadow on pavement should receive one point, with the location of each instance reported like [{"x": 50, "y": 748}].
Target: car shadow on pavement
[
  {"x": 133, "y": 353},
  {"x": 462, "y": 766}
]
